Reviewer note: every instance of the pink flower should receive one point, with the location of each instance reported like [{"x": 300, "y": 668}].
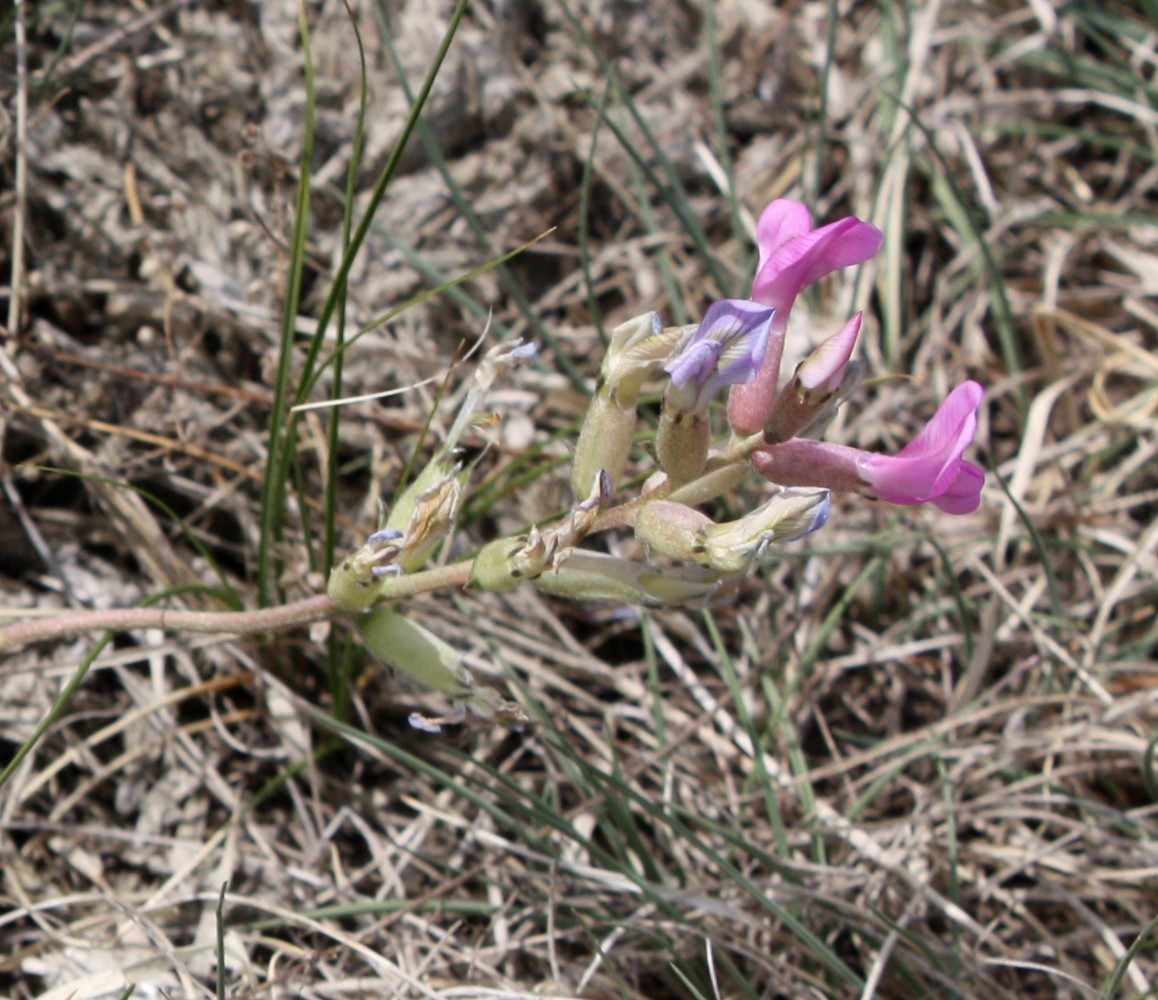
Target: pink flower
[
  {"x": 793, "y": 255},
  {"x": 930, "y": 469}
]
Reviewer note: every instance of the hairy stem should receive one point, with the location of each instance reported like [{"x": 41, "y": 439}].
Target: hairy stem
[
  {"x": 304, "y": 612},
  {"x": 735, "y": 454},
  {"x": 312, "y": 609},
  {"x": 320, "y": 607}
]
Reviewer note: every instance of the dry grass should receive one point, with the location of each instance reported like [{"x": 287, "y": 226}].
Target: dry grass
[{"x": 912, "y": 759}]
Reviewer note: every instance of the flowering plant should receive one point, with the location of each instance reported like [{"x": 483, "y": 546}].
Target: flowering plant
[
  {"x": 774, "y": 430},
  {"x": 738, "y": 345}
]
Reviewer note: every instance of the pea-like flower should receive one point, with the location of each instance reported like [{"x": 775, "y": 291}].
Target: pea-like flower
[
  {"x": 727, "y": 349},
  {"x": 793, "y": 255},
  {"x": 930, "y": 469}
]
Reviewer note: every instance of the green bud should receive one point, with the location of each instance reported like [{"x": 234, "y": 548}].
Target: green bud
[
  {"x": 681, "y": 443},
  {"x": 671, "y": 529},
  {"x": 414, "y": 650},
  {"x": 494, "y": 568},
  {"x": 595, "y": 576},
  {"x": 637, "y": 350},
  {"x": 681, "y": 532},
  {"x": 604, "y": 442},
  {"x": 736, "y": 546}
]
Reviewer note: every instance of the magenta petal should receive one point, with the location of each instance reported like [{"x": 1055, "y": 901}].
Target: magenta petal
[
  {"x": 799, "y": 262},
  {"x": 792, "y": 255},
  {"x": 955, "y": 422},
  {"x": 930, "y": 466},
  {"x": 964, "y": 494},
  {"x": 781, "y": 221}
]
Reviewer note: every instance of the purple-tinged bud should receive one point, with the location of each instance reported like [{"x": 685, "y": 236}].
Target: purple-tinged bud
[
  {"x": 737, "y": 546},
  {"x": 811, "y": 394},
  {"x": 357, "y": 582},
  {"x": 684, "y": 533},
  {"x": 820, "y": 373}
]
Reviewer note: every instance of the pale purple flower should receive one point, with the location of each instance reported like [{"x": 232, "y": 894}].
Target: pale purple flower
[
  {"x": 793, "y": 255},
  {"x": 727, "y": 348},
  {"x": 930, "y": 469}
]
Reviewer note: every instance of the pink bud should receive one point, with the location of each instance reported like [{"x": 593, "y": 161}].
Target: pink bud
[
  {"x": 820, "y": 373},
  {"x": 810, "y": 394}
]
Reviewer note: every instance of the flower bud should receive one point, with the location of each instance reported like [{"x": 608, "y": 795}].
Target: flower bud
[
  {"x": 414, "y": 650},
  {"x": 356, "y": 583},
  {"x": 681, "y": 443},
  {"x": 596, "y": 576},
  {"x": 736, "y": 546},
  {"x": 604, "y": 442},
  {"x": 821, "y": 382},
  {"x": 636, "y": 351},
  {"x": 681, "y": 532},
  {"x": 671, "y": 529}
]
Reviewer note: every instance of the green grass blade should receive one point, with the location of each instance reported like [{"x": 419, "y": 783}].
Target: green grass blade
[{"x": 281, "y": 424}]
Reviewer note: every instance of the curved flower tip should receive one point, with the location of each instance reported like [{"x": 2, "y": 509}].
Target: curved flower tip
[
  {"x": 930, "y": 468},
  {"x": 783, "y": 220},
  {"x": 793, "y": 255}
]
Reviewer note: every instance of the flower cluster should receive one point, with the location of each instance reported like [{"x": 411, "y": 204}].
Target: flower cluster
[
  {"x": 775, "y": 425},
  {"x": 931, "y": 469}
]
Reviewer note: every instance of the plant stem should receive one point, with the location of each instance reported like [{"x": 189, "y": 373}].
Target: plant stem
[
  {"x": 735, "y": 454},
  {"x": 320, "y": 607},
  {"x": 304, "y": 612},
  {"x": 312, "y": 609}
]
